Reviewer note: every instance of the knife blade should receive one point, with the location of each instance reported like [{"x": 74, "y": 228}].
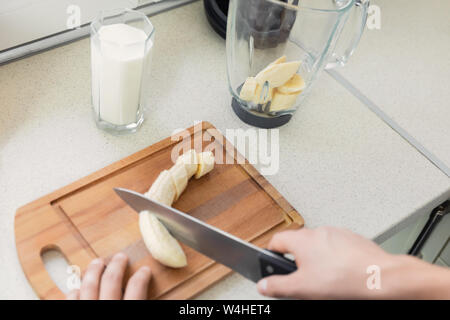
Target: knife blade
[{"x": 241, "y": 256}]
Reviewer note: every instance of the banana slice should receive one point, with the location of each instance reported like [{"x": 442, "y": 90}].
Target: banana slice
[
  {"x": 151, "y": 193},
  {"x": 261, "y": 96},
  {"x": 252, "y": 91},
  {"x": 163, "y": 189},
  {"x": 279, "y": 60},
  {"x": 179, "y": 178},
  {"x": 205, "y": 164},
  {"x": 282, "y": 101},
  {"x": 277, "y": 74},
  {"x": 294, "y": 85},
  {"x": 248, "y": 89},
  {"x": 160, "y": 242},
  {"x": 190, "y": 161}
]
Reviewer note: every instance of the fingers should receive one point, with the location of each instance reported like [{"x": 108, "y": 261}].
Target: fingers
[
  {"x": 106, "y": 284},
  {"x": 277, "y": 286},
  {"x": 288, "y": 241},
  {"x": 111, "y": 283},
  {"x": 91, "y": 280},
  {"x": 138, "y": 285},
  {"x": 73, "y": 295}
]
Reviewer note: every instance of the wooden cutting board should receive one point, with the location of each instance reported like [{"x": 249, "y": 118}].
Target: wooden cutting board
[{"x": 86, "y": 219}]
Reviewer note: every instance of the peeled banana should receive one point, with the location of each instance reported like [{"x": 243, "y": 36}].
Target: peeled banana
[
  {"x": 205, "y": 164},
  {"x": 168, "y": 187},
  {"x": 189, "y": 159},
  {"x": 179, "y": 178},
  {"x": 160, "y": 242},
  {"x": 163, "y": 189}
]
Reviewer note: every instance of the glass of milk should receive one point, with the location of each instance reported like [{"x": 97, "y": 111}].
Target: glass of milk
[{"x": 121, "y": 45}]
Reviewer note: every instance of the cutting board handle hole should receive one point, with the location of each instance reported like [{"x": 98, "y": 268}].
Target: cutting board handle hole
[{"x": 65, "y": 276}]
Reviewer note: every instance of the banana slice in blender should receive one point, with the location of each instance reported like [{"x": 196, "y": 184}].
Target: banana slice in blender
[
  {"x": 282, "y": 101},
  {"x": 190, "y": 161},
  {"x": 248, "y": 89},
  {"x": 179, "y": 178},
  {"x": 205, "y": 164},
  {"x": 294, "y": 85},
  {"x": 279, "y": 60},
  {"x": 162, "y": 246},
  {"x": 262, "y": 94},
  {"x": 277, "y": 74},
  {"x": 252, "y": 91}
]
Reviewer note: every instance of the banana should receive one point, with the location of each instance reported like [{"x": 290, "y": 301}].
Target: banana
[
  {"x": 280, "y": 75},
  {"x": 252, "y": 91},
  {"x": 162, "y": 246},
  {"x": 279, "y": 60},
  {"x": 160, "y": 242},
  {"x": 262, "y": 96},
  {"x": 179, "y": 178},
  {"x": 151, "y": 193},
  {"x": 248, "y": 89},
  {"x": 205, "y": 164},
  {"x": 163, "y": 189},
  {"x": 190, "y": 161},
  {"x": 282, "y": 101},
  {"x": 295, "y": 85},
  {"x": 168, "y": 187},
  {"x": 277, "y": 74}
]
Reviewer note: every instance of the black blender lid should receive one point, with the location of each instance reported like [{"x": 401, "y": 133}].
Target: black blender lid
[{"x": 216, "y": 12}]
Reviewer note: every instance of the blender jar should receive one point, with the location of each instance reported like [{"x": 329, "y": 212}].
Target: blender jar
[{"x": 276, "y": 49}]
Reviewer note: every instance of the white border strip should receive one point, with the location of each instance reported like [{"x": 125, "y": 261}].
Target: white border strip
[{"x": 391, "y": 123}]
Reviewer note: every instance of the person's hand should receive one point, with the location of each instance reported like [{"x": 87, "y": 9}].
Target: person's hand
[
  {"x": 104, "y": 282},
  {"x": 338, "y": 264}
]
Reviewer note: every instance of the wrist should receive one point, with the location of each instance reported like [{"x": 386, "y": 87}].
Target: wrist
[{"x": 407, "y": 277}]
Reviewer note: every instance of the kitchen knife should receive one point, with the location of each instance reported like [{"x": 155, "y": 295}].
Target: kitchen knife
[{"x": 243, "y": 257}]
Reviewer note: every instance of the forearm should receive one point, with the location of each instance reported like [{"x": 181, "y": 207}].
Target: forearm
[
  {"x": 411, "y": 278},
  {"x": 338, "y": 264}
]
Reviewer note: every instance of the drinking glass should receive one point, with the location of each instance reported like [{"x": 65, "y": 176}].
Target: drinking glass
[{"x": 120, "y": 62}]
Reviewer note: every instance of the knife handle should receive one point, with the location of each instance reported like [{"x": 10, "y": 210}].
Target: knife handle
[{"x": 281, "y": 265}]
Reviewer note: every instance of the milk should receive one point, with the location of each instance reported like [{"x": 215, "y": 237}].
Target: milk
[{"x": 118, "y": 58}]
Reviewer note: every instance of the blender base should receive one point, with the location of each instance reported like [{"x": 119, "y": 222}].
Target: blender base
[{"x": 259, "y": 121}]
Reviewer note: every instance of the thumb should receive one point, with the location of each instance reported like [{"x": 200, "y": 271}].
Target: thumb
[{"x": 277, "y": 286}]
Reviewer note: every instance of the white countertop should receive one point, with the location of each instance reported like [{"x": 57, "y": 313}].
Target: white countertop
[
  {"x": 408, "y": 72},
  {"x": 340, "y": 164}
]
